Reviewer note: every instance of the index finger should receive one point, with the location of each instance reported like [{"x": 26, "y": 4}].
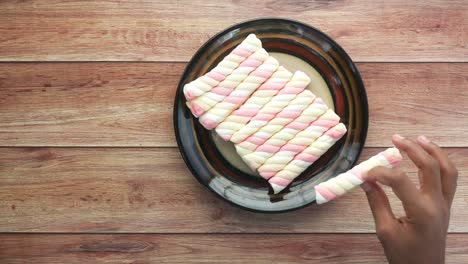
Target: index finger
[{"x": 430, "y": 180}]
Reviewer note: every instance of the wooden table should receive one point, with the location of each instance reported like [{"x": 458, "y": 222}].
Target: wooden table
[{"x": 89, "y": 169}]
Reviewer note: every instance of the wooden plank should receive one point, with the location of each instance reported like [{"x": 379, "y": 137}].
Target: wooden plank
[
  {"x": 151, "y": 190},
  {"x": 396, "y": 30},
  {"x": 83, "y": 104},
  {"x": 130, "y": 104},
  {"x": 203, "y": 248},
  {"x": 415, "y": 99}
]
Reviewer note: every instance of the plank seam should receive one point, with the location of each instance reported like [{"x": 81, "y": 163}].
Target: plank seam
[
  {"x": 189, "y": 233},
  {"x": 185, "y": 62}
]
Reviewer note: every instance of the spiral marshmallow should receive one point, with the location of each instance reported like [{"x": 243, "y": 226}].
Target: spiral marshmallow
[{"x": 343, "y": 183}]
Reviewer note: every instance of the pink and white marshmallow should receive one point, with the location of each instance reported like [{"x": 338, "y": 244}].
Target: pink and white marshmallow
[{"x": 343, "y": 183}]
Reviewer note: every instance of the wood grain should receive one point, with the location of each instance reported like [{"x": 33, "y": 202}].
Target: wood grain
[
  {"x": 151, "y": 190},
  {"x": 79, "y": 120},
  {"x": 82, "y": 104},
  {"x": 243, "y": 248},
  {"x": 414, "y": 99},
  {"x": 106, "y": 30},
  {"x": 130, "y": 104}
]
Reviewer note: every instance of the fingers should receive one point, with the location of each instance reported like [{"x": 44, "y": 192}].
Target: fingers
[
  {"x": 380, "y": 206},
  {"x": 401, "y": 185},
  {"x": 449, "y": 173},
  {"x": 429, "y": 166}
]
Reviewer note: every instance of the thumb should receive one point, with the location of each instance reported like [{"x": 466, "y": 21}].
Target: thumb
[{"x": 379, "y": 205}]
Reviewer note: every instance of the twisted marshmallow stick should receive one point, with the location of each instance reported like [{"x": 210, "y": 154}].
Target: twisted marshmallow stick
[
  {"x": 209, "y": 99},
  {"x": 295, "y": 86},
  {"x": 237, "y": 119},
  {"x": 278, "y": 122},
  {"x": 308, "y": 156},
  {"x": 344, "y": 182},
  {"x": 241, "y": 93},
  {"x": 206, "y": 82},
  {"x": 273, "y": 144},
  {"x": 281, "y": 156}
]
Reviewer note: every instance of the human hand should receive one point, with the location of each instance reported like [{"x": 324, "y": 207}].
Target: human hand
[{"x": 418, "y": 237}]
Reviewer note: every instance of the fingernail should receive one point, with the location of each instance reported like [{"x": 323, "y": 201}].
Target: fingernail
[
  {"x": 366, "y": 187},
  {"x": 423, "y": 139},
  {"x": 398, "y": 137}
]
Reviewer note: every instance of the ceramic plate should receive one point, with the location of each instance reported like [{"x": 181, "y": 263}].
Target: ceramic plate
[{"x": 335, "y": 78}]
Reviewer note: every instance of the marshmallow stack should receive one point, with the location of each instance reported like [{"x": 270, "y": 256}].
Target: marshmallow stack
[
  {"x": 206, "y": 82},
  {"x": 278, "y": 127}
]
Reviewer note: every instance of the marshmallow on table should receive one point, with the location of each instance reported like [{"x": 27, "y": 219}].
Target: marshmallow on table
[
  {"x": 206, "y": 82},
  {"x": 272, "y": 145},
  {"x": 295, "y": 86},
  {"x": 306, "y": 158},
  {"x": 343, "y": 183},
  {"x": 237, "y": 119},
  {"x": 283, "y": 118},
  {"x": 239, "y": 95},
  {"x": 209, "y": 99},
  {"x": 284, "y": 154}
]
